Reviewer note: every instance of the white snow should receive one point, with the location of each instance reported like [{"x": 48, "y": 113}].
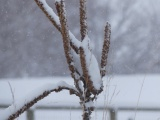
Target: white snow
[
  {"x": 50, "y": 11},
  {"x": 74, "y": 40},
  {"x": 118, "y": 91},
  {"x": 89, "y": 104},
  {"x": 57, "y": 0},
  {"x": 80, "y": 85},
  {"x": 92, "y": 64},
  {"x": 76, "y": 59},
  {"x": 32, "y": 95}
]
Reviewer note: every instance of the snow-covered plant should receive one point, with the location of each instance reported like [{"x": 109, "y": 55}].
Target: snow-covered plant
[{"x": 87, "y": 79}]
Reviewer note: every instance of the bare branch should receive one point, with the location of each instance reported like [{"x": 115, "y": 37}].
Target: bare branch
[
  {"x": 105, "y": 49},
  {"x": 21, "y": 106},
  {"x": 11, "y": 92},
  {"x": 83, "y": 19}
]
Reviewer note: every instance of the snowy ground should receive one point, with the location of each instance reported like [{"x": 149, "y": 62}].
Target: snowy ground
[{"x": 119, "y": 91}]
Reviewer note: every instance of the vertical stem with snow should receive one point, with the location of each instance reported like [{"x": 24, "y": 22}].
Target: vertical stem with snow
[
  {"x": 66, "y": 44},
  {"x": 91, "y": 75}
]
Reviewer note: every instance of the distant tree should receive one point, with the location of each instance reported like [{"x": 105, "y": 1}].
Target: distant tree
[
  {"x": 87, "y": 79},
  {"x": 29, "y": 52}
]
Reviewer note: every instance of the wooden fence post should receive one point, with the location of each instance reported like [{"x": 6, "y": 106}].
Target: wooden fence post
[
  {"x": 113, "y": 114},
  {"x": 30, "y": 114}
]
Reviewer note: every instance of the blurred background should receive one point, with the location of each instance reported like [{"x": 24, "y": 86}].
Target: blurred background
[{"x": 30, "y": 46}]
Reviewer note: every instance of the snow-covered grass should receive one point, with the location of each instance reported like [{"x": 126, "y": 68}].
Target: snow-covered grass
[{"x": 118, "y": 91}]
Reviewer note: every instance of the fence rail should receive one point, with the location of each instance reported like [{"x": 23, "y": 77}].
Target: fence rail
[{"x": 112, "y": 110}]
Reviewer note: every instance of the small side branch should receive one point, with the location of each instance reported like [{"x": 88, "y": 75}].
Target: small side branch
[
  {"x": 83, "y": 19},
  {"x": 49, "y": 13},
  {"x": 105, "y": 49},
  {"x": 24, "y": 104}
]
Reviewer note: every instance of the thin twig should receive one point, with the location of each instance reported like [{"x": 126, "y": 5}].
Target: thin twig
[
  {"x": 11, "y": 92},
  {"x": 139, "y": 97}
]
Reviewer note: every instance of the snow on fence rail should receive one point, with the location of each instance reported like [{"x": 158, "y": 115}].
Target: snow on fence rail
[
  {"x": 113, "y": 111},
  {"x": 121, "y": 94}
]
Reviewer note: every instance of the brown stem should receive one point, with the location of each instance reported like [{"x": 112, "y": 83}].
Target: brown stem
[
  {"x": 105, "y": 49},
  {"x": 83, "y": 19},
  {"x": 86, "y": 115},
  {"x": 83, "y": 30},
  {"x": 87, "y": 111},
  {"x": 57, "y": 4}
]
